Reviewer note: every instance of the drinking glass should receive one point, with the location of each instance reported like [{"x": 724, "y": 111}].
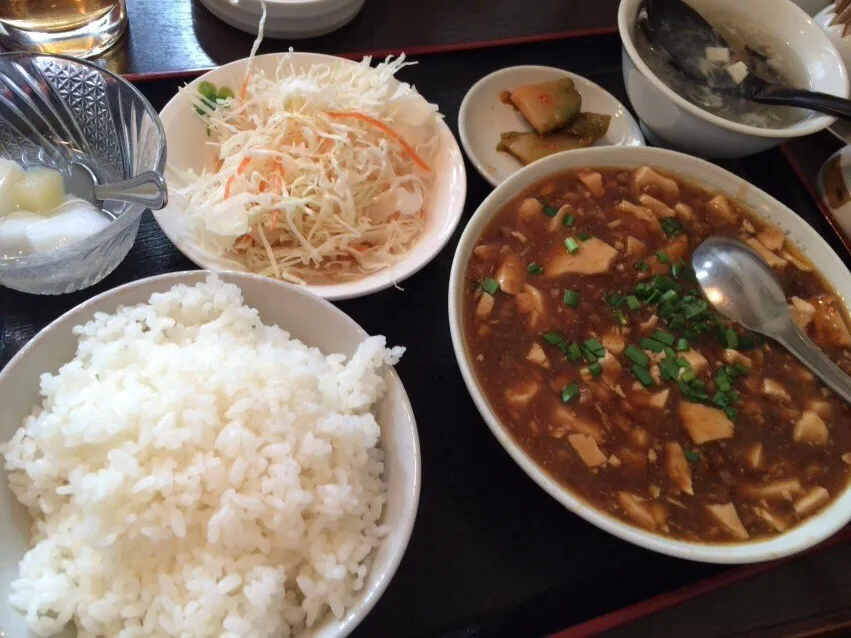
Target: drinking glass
[{"x": 80, "y": 28}]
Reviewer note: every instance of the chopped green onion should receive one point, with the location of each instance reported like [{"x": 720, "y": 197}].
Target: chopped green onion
[
  {"x": 677, "y": 322},
  {"x": 722, "y": 382},
  {"x": 224, "y": 93},
  {"x": 692, "y": 455},
  {"x": 670, "y": 369},
  {"x": 534, "y": 269},
  {"x": 637, "y": 356},
  {"x": 741, "y": 370},
  {"x": 676, "y": 270},
  {"x": 671, "y": 226},
  {"x": 596, "y": 347},
  {"x": 664, "y": 337},
  {"x": 682, "y": 345},
  {"x": 207, "y": 90},
  {"x": 632, "y": 302},
  {"x": 550, "y": 211},
  {"x": 490, "y": 286},
  {"x": 641, "y": 265},
  {"x": 663, "y": 283},
  {"x": 571, "y": 245},
  {"x": 573, "y": 352},
  {"x": 615, "y": 299},
  {"x": 670, "y": 353},
  {"x": 670, "y": 296},
  {"x": 583, "y": 236},
  {"x": 569, "y": 392},
  {"x": 731, "y": 338},
  {"x": 620, "y": 318},
  {"x": 666, "y": 310},
  {"x": 731, "y": 413},
  {"x": 693, "y": 310},
  {"x": 721, "y": 399},
  {"x": 651, "y": 344},
  {"x": 654, "y": 297},
  {"x": 571, "y": 298},
  {"x": 568, "y": 220},
  {"x": 643, "y": 377},
  {"x": 554, "y": 338},
  {"x": 595, "y": 369},
  {"x": 662, "y": 256},
  {"x": 689, "y": 375}
]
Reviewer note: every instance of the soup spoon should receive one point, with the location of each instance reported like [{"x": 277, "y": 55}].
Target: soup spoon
[
  {"x": 742, "y": 287},
  {"x": 683, "y": 35},
  {"x": 147, "y": 189}
]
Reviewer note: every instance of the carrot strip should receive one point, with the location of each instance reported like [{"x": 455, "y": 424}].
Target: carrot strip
[
  {"x": 386, "y": 129},
  {"x": 273, "y": 223},
  {"x": 242, "y": 166}
]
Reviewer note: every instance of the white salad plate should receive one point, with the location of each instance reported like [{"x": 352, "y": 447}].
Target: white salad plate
[
  {"x": 484, "y": 117},
  {"x": 306, "y": 317},
  {"x": 186, "y": 137}
]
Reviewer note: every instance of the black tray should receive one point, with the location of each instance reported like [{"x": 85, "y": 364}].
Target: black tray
[{"x": 491, "y": 553}]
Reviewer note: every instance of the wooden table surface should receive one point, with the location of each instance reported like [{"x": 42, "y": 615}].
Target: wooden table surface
[{"x": 176, "y": 36}]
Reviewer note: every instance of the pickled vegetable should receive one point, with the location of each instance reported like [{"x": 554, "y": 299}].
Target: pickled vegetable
[
  {"x": 594, "y": 125},
  {"x": 548, "y": 105},
  {"x": 530, "y": 147}
]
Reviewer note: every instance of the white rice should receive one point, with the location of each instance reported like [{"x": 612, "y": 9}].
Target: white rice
[{"x": 194, "y": 472}]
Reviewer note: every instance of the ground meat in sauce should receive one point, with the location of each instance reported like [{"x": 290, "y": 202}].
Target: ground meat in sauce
[{"x": 594, "y": 346}]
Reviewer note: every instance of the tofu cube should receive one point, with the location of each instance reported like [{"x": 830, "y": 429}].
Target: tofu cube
[
  {"x": 738, "y": 71},
  {"x": 718, "y": 55}
]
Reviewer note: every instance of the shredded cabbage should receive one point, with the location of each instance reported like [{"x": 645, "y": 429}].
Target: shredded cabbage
[{"x": 323, "y": 174}]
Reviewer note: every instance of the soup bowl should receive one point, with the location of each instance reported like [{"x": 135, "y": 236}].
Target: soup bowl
[
  {"x": 714, "y": 179},
  {"x": 677, "y": 123}
]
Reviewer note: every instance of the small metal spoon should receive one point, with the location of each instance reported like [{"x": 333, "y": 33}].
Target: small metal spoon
[
  {"x": 742, "y": 287},
  {"x": 147, "y": 189},
  {"x": 683, "y": 34}
]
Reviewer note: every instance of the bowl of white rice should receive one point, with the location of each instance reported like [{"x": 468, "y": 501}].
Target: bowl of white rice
[{"x": 198, "y": 455}]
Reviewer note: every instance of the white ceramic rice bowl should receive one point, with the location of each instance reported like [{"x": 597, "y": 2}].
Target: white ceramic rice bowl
[
  {"x": 713, "y": 178},
  {"x": 307, "y": 318}
]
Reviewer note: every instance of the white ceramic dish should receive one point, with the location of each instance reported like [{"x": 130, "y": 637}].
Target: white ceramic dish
[
  {"x": 286, "y": 18},
  {"x": 679, "y": 124},
  {"x": 483, "y": 117},
  {"x": 714, "y": 178},
  {"x": 834, "y": 187},
  {"x": 186, "y": 137},
  {"x": 306, "y": 317}
]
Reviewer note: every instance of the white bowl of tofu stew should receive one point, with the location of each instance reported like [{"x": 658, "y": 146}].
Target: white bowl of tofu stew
[
  {"x": 774, "y": 39},
  {"x": 598, "y": 364}
]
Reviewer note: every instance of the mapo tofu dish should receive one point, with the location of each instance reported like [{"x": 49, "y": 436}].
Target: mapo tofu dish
[{"x": 593, "y": 344}]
